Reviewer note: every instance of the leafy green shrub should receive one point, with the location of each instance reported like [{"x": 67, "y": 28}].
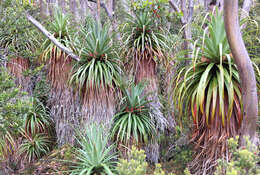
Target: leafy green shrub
[
  {"x": 136, "y": 165},
  {"x": 17, "y": 34},
  {"x": 159, "y": 171},
  {"x": 94, "y": 155},
  {"x": 243, "y": 161},
  {"x": 13, "y": 106},
  {"x": 12, "y": 109},
  {"x": 182, "y": 156}
]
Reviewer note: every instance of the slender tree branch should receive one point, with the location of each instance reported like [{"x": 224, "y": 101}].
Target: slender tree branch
[
  {"x": 176, "y": 8},
  {"x": 52, "y": 38}
]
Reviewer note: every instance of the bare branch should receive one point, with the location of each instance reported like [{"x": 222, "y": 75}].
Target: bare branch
[
  {"x": 176, "y": 8},
  {"x": 52, "y": 38}
]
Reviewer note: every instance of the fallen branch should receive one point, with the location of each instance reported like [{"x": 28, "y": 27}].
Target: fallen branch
[{"x": 52, "y": 38}]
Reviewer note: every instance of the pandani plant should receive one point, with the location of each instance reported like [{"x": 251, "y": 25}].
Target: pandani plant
[
  {"x": 37, "y": 132},
  {"x": 93, "y": 156},
  {"x": 63, "y": 102},
  {"x": 133, "y": 124},
  {"x": 59, "y": 64},
  {"x": 97, "y": 74},
  {"x": 145, "y": 44},
  {"x": 209, "y": 90}
]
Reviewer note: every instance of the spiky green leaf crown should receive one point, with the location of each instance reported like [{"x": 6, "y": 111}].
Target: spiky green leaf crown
[
  {"x": 133, "y": 123},
  {"x": 99, "y": 66},
  {"x": 60, "y": 29},
  {"x": 142, "y": 32},
  {"x": 210, "y": 85},
  {"x": 60, "y": 24},
  {"x": 93, "y": 155},
  {"x": 214, "y": 44}
]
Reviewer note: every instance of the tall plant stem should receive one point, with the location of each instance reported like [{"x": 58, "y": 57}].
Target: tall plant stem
[{"x": 246, "y": 72}]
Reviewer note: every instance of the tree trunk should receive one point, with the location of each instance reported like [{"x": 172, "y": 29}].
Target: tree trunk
[
  {"x": 245, "y": 11},
  {"x": 83, "y": 9},
  {"x": 98, "y": 106},
  {"x": 17, "y": 66},
  {"x": 43, "y": 8},
  {"x": 246, "y": 72},
  {"x": 186, "y": 21},
  {"x": 146, "y": 71},
  {"x": 62, "y": 5},
  {"x": 74, "y": 9}
]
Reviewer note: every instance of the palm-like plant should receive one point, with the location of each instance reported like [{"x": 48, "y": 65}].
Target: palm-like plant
[
  {"x": 37, "y": 119},
  {"x": 210, "y": 89},
  {"x": 133, "y": 123},
  {"x": 34, "y": 146},
  {"x": 97, "y": 74},
  {"x": 59, "y": 65},
  {"x": 94, "y": 156},
  {"x": 64, "y": 108},
  {"x": 145, "y": 44}
]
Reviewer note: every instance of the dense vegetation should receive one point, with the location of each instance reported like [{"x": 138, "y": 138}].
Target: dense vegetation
[{"x": 156, "y": 89}]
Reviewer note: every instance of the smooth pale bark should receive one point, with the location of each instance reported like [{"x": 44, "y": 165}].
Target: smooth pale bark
[
  {"x": 74, "y": 9},
  {"x": 62, "y": 5},
  {"x": 206, "y": 4},
  {"x": 185, "y": 20},
  {"x": 83, "y": 9},
  {"x": 246, "y": 72},
  {"x": 246, "y": 8},
  {"x": 245, "y": 11},
  {"x": 52, "y": 38}
]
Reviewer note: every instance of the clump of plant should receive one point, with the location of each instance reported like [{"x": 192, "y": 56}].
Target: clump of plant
[
  {"x": 182, "y": 156},
  {"x": 12, "y": 108},
  {"x": 143, "y": 37},
  {"x": 93, "y": 156},
  {"x": 133, "y": 124},
  {"x": 34, "y": 146},
  {"x": 37, "y": 132},
  {"x": 97, "y": 74},
  {"x": 17, "y": 34},
  {"x": 37, "y": 119},
  {"x": 135, "y": 165},
  {"x": 209, "y": 89},
  {"x": 244, "y": 160},
  {"x": 145, "y": 44},
  {"x": 59, "y": 64},
  {"x": 159, "y": 171}
]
